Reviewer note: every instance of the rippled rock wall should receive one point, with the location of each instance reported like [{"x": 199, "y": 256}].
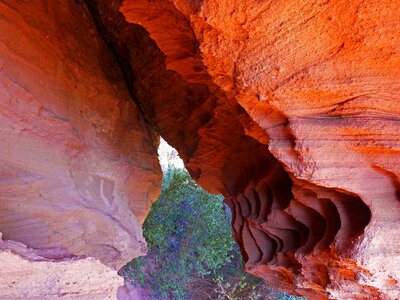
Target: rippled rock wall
[{"x": 289, "y": 109}]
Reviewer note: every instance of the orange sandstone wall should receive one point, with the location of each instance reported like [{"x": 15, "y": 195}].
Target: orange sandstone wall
[{"x": 291, "y": 110}]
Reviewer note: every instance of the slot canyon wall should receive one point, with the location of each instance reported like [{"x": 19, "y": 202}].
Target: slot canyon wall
[
  {"x": 290, "y": 109},
  {"x": 78, "y": 164}
]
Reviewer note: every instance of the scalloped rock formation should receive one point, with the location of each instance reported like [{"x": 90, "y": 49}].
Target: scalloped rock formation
[{"x": 290, "y": 109}]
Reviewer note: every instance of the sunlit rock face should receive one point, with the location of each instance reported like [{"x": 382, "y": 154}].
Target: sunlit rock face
[
  {"x": 78, "y": 165},
  {"x": 291, "y": 111}
]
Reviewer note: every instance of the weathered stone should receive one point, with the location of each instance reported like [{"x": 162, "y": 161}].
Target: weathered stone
[
  {"x": 53, "y": 273},
  {"x": 78, "y": 164},
  {"x": 300, "y": 130},
  {"x": 289, "y": 109}
]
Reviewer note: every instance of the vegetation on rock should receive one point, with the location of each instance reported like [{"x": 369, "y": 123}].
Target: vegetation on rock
[{"x": 191, "y": 251}]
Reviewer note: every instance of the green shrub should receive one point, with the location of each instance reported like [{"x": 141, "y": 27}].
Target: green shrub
[
  {"x": 188, "y": 235},
  {"x": 191, "y": 251}
]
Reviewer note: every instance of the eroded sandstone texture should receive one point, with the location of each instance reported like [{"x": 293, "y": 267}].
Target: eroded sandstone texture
[
  {"x": 53, "y": 273},
  {"x": 78, "y": 166},
  {"x": 289, "y": 108}
]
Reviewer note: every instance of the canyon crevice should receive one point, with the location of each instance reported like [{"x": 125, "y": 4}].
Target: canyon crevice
[{"x": 290, "y": 110}]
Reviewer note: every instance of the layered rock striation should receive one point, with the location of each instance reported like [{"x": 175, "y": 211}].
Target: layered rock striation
[
  {"x": 289, "y": 109},
  {"x": 78, "y": 164}
]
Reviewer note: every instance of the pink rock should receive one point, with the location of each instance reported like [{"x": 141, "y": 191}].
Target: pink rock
[
  {"x": 26, "y": 274},
  {"x": 78, "y": 165}
]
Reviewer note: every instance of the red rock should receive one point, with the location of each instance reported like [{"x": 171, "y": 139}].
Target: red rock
[
  {"x": 299, "y": 99},
  {"x": 289, "y": 109},
  {"x": 78, "y": 165}
]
